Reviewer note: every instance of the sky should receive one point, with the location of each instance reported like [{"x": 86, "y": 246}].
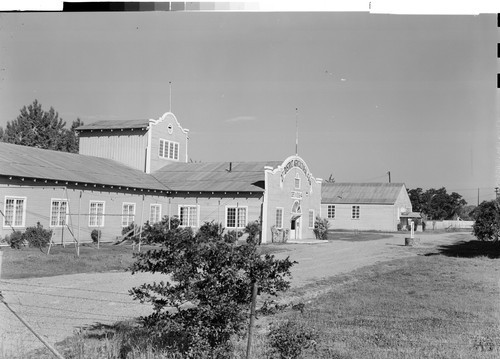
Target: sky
[{"x": 371, "y": 93}]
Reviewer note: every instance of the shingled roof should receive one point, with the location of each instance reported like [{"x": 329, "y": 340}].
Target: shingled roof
[
  {"x": 31, "y": 162},
  {"x": 114, "y": 125},
  {"x": 360, "y": 193},
  {"x": 215, "y": 176}
]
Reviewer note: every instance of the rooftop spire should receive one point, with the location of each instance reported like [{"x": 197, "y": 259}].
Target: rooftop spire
[{"x": 296, "y": 131}]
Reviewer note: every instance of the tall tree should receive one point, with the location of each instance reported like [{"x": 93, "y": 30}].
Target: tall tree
[
  {"x": 417, "y": 199},
  {"x": 436, "y": 203},
  {"x": 43, "y": 129}
]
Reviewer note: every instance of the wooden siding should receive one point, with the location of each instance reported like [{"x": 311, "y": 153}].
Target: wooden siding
[{"x": 127, "y": 146}]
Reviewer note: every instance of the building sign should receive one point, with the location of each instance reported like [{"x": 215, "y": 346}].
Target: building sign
[
  {"x": 296, "y": 195},
  {"x": 296, "y": 162}
]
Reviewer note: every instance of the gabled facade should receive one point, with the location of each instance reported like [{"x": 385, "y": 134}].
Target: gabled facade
[{"x": 146, "y": 145}]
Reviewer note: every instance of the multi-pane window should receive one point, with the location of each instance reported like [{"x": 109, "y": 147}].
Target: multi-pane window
[
  {"x": 331, "y": 211},
  {"x": 96, "y": 214},
  {"x": 236, "y": 217},
  {"x": 14, "y": 211},
  {"x": 279, "y": 217},
  {"x": 58, "y": 212},
  {"x": 355, "y": 212},
  {"x": 188, "y": 216},
  {"x": 128, "y": 214},
  {"x": 169, "y": 149},
  {"x": 155, "y": 213},
  {"x": 311, "y": 218}
]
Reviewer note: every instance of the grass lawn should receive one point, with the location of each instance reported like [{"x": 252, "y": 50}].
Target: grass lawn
[
  {"x": 442, "y": 304},
  {"x": 31, "y": 262},
  {"x": 357, "y": 236}
]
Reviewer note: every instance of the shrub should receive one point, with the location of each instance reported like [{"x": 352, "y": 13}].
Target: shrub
[
  {"x": 288, "y": 339},
  {"x": 37, "y": 236},
  {"x": 215, "y": 275},
  {"x": 15, "y": 240},
  {"x": 321, "y": 226},
  {"x": 131, "y": 231},
  {"x": 95, "y": 235},
  {"x": 160, "y": 231},
  {"x": 253, "y": 230},
  {"x": 487, "y": 221}
]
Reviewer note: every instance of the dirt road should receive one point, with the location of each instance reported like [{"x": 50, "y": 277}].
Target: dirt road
[{"x": 57, "y": 306}]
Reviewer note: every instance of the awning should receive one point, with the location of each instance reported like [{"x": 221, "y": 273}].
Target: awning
[{"x": 411, "y": 215}]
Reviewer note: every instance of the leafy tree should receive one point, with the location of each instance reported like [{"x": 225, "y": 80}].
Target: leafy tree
[
  {"x": 466, "y": 212},
  {"x": 210, "y": 290},
  {"x": 43, "y": 129},
  {"x": 436, "y": 203},
  {"x": 487, "y": 221}
]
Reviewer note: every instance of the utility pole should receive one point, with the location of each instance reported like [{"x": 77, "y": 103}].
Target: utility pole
[
  {"x": 389, "y": 173},
  {"x": 496, "y": 192},
  {"x": 478, "y": 196}
]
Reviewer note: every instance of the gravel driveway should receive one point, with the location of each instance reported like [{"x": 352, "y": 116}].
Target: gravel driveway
[{"x": 57, "y": 306}]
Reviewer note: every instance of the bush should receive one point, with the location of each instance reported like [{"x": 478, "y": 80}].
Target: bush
[
  {"x": 37, "y": 236},
  {"x": 160, "y": 231},
  {"x": 321, "y": 226},
  {"x": 288, "y": 339},
  {"x": 95, "y": 235},
  {"x": 253, "y": 230},
  {"x": 15, "y": 240},
  {"x": 487, "y": 221},
  {"x": 213, "y": 273}
]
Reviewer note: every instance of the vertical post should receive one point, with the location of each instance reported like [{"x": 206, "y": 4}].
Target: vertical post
[
  {"x": 142, "y": 220},
  {"x": 412, "y": 229},
  {"x": 252, "y": 319},
  {"x": 169, "y": 213},
  {"x": 389, "y": 173},
  {"x": 78, "y": 244},
  {"x": 478, "y": 196}
]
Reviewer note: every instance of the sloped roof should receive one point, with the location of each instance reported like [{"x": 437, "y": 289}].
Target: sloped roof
[
  {"x": 31, "y": 162},
  {"x": 114, "y": 125},
  {"x": 214, "y": 176},
  {"x": 360, "y": 193}
]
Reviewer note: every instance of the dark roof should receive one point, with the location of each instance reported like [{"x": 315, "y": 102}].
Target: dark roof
[
  {"x": 215, "y": 176},
  {"x": 31, "y": 162},
  {"x": 362, "y": 193},
  {"x": 114, "y": 125}
]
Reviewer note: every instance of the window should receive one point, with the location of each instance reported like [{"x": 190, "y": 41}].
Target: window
[
  {"x": 355, "y": 212},
  {"x": 96, "y": 214},
  {"x": 155, "y": 213},
  {"x": 297, "y": 182},
  {"x": 188, "y": 216},
  {"x": 331, "y": 211},
  {"x": 128, "y": 214},
  {"x": 236, "y": 217},
  {"x": 58, "y": 212},
  {"x": 14, "y": 211},
  {"x": 279, "y": 217},
  {"x": 311, "y": 218},
  {"x": 169, "y": 149}
]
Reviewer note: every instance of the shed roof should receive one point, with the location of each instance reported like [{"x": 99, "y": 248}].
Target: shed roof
[
  {"x": 215, "y": 176},
  {"x": 114, "y": 125},
  {"x": 31, "y": 162},
  {"x": 360, "y": 193}
]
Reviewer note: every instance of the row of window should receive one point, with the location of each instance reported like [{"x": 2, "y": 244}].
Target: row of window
[
  {"x": 279, "y": 218},
  {"x": 331, "y": 212},
  {"x": 169, "y": 149},
  {"x": 15, "y": 214}
]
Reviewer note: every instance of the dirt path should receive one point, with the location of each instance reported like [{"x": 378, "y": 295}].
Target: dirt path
[{"x": 57, "y": 306}]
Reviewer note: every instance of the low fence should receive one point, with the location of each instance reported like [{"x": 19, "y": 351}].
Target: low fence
[{"x": 437, "y": 225}]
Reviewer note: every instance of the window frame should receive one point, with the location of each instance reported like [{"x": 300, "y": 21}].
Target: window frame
[
  {"x": 128, "y": 215},
  {"x": 14, "y": 212},
  {"x": 189, "y": 218},
  {"x": 297, "y": 181},
  {"x": 58, "y": 223},
  {"x": 331, "y": 208},
  {"x": 237, "y": 217},
  {"x": 168, "y": 150},
  {"x": 280, "y": 210},
  {"x": 158, "y": 212},
  {"x": 97, "y": 214},
  {"x": 355, "y": 211},
  {"x": 311, "y": 219}
]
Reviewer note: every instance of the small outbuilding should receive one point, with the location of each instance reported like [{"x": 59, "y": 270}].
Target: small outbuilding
[{"x": 365, "y": 206}]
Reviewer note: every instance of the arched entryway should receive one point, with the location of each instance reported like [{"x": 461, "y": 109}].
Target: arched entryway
[{"x": 295, "y": 221}]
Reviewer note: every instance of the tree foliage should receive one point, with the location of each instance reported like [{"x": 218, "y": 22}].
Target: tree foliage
[
  {"x": 437, "y": 204},
  {"x": 487, "y": 221},
  {"x": 43, "y": 129},
  {"x": 206, "y": 302}
]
